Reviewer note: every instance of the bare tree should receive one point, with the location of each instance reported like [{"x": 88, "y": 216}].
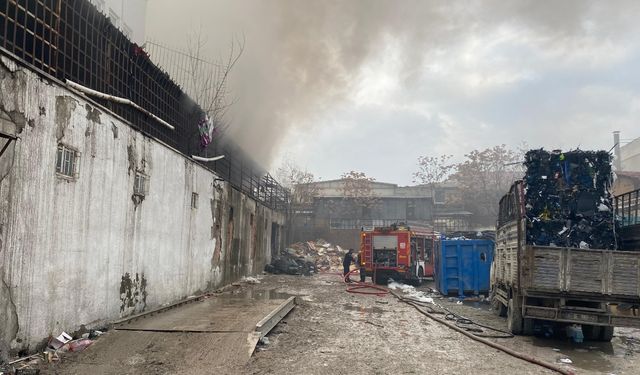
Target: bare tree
[
  {"x": 298, "y": 181},
  {"x": 209, "y": 79},
  {"x": 303, "y": 191},
  {"x": 433, "y": 170},
  {"x": 204, "y": 79},
  {"x": 357, "y": 193},
  {"x": 484, "y": 177}
]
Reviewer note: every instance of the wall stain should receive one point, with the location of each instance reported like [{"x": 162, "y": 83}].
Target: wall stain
[
  {"x": 9, "y": 327},
  {"x": 131, "y": 156},
  {"x": 133, "y": 293},
  {"x": 93, "y": 114},
  {"x": 65, "y": 105},
  {"x": 114, "y": 129}
]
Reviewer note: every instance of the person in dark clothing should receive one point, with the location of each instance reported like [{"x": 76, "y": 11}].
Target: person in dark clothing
[
  {"x": 361, "y": 267},
  {"x": 346, "y": 263}
]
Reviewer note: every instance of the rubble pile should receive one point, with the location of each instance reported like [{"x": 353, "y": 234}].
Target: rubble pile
[
  {"x": 307, "y": 257},
  {"x": 567, "y": 199}
]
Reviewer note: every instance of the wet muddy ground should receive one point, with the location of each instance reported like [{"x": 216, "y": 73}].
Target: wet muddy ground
[
  {"x": 334, "y": 332},
  {"x": 620, "y": 356}
]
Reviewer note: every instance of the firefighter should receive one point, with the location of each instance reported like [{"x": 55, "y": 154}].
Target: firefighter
[
  {"x": 361, "y": 267},
  {"x": 346, "y": 263}
]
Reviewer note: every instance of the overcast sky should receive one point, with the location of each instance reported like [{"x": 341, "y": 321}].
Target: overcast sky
[{"x": 371, "y": 85}]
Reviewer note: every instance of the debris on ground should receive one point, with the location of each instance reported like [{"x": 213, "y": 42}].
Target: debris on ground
[
  {"x": 59, "y": 341},
  {"x": 56, "y": 347},
  {"x": 412, "y": 292},
  {"x": 250, "y": 280},
  {"x": 305, "y": 258}
]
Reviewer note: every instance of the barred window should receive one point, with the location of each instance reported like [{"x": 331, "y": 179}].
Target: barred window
[
  {"x": 194, "y": 200},
  {"x": 140, "y": 184},
  {"x": 67, "y": 161}
]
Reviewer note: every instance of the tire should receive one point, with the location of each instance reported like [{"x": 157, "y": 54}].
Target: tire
[
  {"x": 420, "y": 276},
  {"x": 527, "y": 326},
  {"x": 591, "y": 332},
  {"x": 496, "y": 306},
  {"x": 514, "y": 318},
  {"x": 606, "y": 334}
]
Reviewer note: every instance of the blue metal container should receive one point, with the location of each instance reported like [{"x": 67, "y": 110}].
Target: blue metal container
[{"x": 463, "y": 266}]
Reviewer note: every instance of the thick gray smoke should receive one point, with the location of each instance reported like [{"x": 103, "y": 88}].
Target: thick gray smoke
[{"x": 304, "y": 57}]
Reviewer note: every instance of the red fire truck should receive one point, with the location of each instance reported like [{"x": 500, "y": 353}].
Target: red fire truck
[{"x": 399, "y": 252}]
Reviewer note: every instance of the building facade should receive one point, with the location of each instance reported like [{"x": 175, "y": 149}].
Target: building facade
[
  {"x": 104, "y": 212},
  {"x": 337, "y": 216}
]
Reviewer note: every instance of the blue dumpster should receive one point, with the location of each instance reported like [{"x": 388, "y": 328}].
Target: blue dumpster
[{"x": 463, "y": 266}]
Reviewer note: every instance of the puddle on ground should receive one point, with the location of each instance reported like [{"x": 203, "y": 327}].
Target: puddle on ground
[
  {"x": 588, "y": 355},
  {"x": 362, "y": 309}
]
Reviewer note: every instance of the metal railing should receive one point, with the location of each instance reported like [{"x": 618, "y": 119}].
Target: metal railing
[
  {"x": 71, "y": 40},
  {"x": 626, "y": 208}
]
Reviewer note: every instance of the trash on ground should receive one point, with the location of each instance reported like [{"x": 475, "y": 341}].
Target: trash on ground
[
  {"x": 250, "y": 280},
  {"x": 79, "y": 345},
  {"x": 305, "y": 258},
  {"x": 59, "y": 341},
  {"x": 411, "y": 292},
  {"x": 565, "y": 360}
]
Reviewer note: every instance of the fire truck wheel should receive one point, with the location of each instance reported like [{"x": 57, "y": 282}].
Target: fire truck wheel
[{"x": 418, "y": 281}]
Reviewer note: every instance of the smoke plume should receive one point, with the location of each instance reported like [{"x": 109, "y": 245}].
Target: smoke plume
[{"x": 303, "y": 57}]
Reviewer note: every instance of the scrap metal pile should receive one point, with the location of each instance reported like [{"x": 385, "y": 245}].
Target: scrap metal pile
[
  {"x": 307, "y": 257},
  {"x": 567, "y": 199}
]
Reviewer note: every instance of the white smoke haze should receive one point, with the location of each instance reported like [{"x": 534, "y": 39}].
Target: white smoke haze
[{"x": 372, "y": 84}]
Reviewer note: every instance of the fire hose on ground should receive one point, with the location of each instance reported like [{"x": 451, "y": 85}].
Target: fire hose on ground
[{"x": 462, "y": 325}]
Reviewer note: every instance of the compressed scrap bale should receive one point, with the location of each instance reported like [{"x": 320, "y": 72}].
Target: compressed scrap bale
[{"x": 567, "y": 199}]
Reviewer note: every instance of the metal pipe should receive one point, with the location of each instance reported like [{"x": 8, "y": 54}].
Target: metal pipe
[
  {"x": 200, "y": 158},
  {"x": 116, "y": 99},
  {"x": 616, "y": 152},
  {"x": 492, "y": 344}
]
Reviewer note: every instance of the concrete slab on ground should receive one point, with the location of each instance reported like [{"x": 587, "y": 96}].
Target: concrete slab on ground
[{"x": 216, "y": 334}]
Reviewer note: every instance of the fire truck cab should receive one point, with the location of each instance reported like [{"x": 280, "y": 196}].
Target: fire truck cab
[{"x": 399, "y": 252}]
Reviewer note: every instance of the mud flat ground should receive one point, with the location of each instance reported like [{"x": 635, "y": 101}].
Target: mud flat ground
[{"x": 331, "y": 331}]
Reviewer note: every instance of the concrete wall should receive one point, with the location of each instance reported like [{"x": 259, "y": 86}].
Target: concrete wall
[
  {"x": 630, "y": 155},
  {"x": 84, "y": 250}
]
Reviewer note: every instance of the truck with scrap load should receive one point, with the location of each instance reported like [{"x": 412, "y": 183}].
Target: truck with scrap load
[
  {"x": 557, "y": 259},
  {"x": 400, "y": 252}
]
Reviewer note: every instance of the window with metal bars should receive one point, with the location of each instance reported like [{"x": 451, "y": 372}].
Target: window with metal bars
[
  {"x": 194, "y": 200},
  {"x": 140, "y": 184},
  {"x": 67, "y": 161}
]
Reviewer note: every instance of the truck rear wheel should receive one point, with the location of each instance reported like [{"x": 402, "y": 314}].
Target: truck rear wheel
[
  {"x": 591, "y": 332},
  {"x": 496, "y": 305},
  {"x": 514, "y": 318},
  {"x": 606, "y": 333}
]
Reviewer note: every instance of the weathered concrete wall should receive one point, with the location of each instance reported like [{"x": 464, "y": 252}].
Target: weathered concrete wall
[{"x": 81, "y": 251}]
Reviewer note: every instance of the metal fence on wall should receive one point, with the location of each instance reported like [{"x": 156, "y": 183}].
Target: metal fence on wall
[
  {"x": 627, "y": 208},
  {"x": 71, "y": 40}
]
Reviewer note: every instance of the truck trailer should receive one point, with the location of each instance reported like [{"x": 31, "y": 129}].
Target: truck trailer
[
  {"x": 557, "y": 257},
  {"x": 559, "y": 284}
]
